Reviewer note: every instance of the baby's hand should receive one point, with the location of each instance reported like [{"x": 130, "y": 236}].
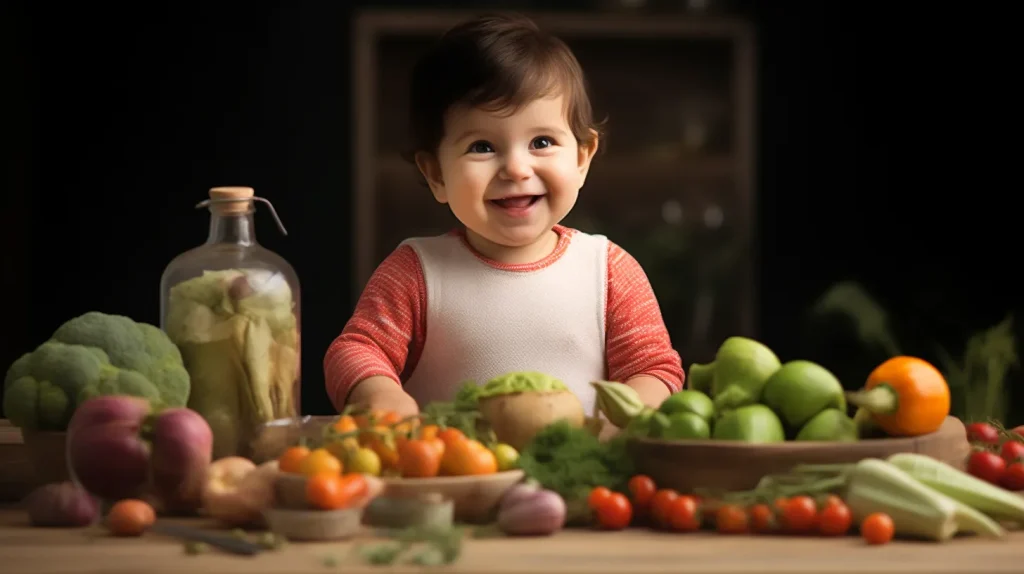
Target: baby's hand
[{"x": 384, "y": 394}]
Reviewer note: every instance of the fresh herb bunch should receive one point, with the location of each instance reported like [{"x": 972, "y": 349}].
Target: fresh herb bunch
[{"x": 571, "y": 461}]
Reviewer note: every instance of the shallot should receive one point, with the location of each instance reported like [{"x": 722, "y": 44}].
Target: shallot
[
  {"x": 62, "y": 504},
  {"x": 527, "y": 510}
]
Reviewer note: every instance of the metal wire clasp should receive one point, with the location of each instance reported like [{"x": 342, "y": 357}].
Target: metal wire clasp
[{"x": 273, "y": 212}]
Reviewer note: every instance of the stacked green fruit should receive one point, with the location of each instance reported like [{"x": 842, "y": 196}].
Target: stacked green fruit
[{"x": 746, "y": 394}]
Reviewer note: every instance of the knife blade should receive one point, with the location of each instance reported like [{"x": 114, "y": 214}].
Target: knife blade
[{"x": 223, "y": 541}]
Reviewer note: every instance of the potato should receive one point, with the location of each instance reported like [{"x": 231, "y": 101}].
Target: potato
[{"x": 517, "y": 417}]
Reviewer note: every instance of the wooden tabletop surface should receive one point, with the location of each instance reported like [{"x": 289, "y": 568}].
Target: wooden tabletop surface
[{"x": 87, "y": 551}]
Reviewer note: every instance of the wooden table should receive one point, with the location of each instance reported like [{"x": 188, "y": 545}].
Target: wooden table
[{"x": 84, "y": 551}]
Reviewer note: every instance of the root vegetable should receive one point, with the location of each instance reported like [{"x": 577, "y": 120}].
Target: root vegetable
[
  {"x": 527, "y": 510},
  {"x": 236, "y": 491},
  {"x": 181, "y": 451},
  {"x": 62, "y": 504},
  {"x": 517, "y": 417}
]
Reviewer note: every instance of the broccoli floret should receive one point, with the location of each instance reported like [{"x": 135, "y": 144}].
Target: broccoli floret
[{"x": 91, "y": 355}]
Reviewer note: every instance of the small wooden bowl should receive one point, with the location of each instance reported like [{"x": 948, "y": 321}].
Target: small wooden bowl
[
  {"x": 314, "y": 525},
  {"x": 685, "y": 465},
  {"x": 475, "y": 498}
]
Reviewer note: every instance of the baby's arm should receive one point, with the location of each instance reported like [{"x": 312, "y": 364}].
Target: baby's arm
[
  {"x": 638, "y": 348},
  {"x": 364, "y": 364}
]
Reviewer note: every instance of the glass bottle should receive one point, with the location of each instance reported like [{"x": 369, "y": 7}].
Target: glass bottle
[{"x": 232, "y": 308}]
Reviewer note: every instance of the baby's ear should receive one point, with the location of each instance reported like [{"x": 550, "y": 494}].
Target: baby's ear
[
  {"x": 431, "y": 170},
  {"x": 585, "y": 154}
]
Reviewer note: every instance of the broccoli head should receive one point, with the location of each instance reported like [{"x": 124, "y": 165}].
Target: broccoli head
[{"x": 91, "y": 355}]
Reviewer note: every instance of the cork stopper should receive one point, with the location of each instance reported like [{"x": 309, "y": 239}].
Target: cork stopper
[{"x": 219, "y": 194}]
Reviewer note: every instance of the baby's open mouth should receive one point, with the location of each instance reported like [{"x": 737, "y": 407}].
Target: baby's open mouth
[{"x": 517, "y": 202}]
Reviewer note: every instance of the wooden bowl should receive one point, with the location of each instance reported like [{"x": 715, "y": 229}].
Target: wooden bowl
[
  {"x": 475, "y": 497},
  {"x": 685, "y": 465},
  {"x": 313, "y": 525}
]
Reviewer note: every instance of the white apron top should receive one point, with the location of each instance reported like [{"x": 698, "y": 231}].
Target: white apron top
[{"x": 483, "y": 322}]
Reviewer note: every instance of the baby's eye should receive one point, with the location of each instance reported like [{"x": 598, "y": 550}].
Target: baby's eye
[
  {"x": 542, "y": 142},
  {"x": 480, "y": 147}
]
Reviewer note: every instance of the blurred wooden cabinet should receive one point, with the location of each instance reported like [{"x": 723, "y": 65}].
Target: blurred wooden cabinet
[{"x": 674, "y": 184}]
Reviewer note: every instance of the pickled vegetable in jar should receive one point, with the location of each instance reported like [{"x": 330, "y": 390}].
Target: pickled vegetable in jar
[{"x": 232, "y": 308}]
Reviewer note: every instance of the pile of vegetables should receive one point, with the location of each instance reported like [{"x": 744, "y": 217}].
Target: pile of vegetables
[
  {"x": 748, "y": 395},
  {"x": 239, "y": 340},
  {"x": 93, "y": 355}
]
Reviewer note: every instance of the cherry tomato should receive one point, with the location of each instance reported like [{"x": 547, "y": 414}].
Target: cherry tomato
[
  {"x": 800, "y": 515},
  {"x": 130, "y": 517},
  {"x": 986, "y": 466},
  {"x": 877, "y": 528},
  {"x": 683, "y": 514},
  {"x": 831, "y": 499},
  {"x": 328, "y": 491},
  {"x": 468, "y": 457},
  {"x": 319, "y": 461},
  {"x": 345, "y": 424},
  {"x": 641, "y": 491},
  {"x": 731, "y": 519},
  {"x": 1013, "y": 478},
  {"x": 1012, "y": 451},
  {"x": 762, "y": 518},
  {"x": 835, "y": 519},
  {"x": 982, "y": 433},
  {"x": 291, "y": 459},
  {"x": 780, "y": 504},
  {"x": 1019, "y": 431},
  {"x": 615, "y": 512},
  {"x": 451, "y": 435},
  {"x": 598, "y": 496},
  {"x": 660, "y": 503},
  {"x": 418, "y": 458}
]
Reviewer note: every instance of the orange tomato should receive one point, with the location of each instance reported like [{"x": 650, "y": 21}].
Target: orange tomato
[
  {"x": 130, "y": 517},
  {"x": 450, "y": 435},
  {"x": 877, "y": 528},
  {"x": 732, "y": 519},
  {"x": 345, "y": 424},
  {"x": 321, "y": 461},
  {"x": 598, "y": 496},
  {"x": 683, "y": 514},
  {"x": 906, "y": 396},
  {"x": 800, "y": 515},
  {"x": 419, "y": 458},
  {"x": 835, "y": 519},
  {"x": 466, "y": 457},
  {"x": 291, "y": 459},
  {"x": 430, "y": 433},
  {"x": 324, "y": 491}
]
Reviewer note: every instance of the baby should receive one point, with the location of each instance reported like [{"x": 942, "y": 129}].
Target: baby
[{"x": 504, "y": 134}]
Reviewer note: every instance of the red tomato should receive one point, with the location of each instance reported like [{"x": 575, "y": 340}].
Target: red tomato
[
  {"x": 641, "y": 490},
  {"x": 660, "y": 506},
  {"x": 835, "y": 519},
  {"x": 800, "y": 514},
  {"x": 683, "y": 514},
  {"x": 762, "y": 518},
  {"x": 1019, "y": 431},
  {"x": 614, "y": 512},
  {"x": 1013, "y": 477},
  {"x": 983, "y": 433},
  {"x": 1012, "y": 451},
  {"x": 986, "y": 466},
  {"x": 598, "y": 496},
  {"x": 732, "y": 519}
]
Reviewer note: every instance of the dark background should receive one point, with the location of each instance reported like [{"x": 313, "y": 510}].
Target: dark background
[{"x": 885, "y": 144}]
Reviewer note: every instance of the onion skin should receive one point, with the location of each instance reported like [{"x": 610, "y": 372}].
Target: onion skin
[
  {"x": 62, "y": 504},
  {"x": 531, "y": 512}
]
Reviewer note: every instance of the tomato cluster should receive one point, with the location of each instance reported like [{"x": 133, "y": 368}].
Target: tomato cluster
[
  {"x": 667, "y": 509},
  {"x": 382, "y": 443},
  {"x": 998, "y": 456}
]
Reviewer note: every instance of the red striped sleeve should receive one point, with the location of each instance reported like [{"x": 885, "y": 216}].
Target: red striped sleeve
[
  {"x": 636, "y": 339},
  {"x": 387, "y": 329}
]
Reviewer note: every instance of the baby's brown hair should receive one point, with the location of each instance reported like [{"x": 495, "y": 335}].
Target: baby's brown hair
[{"x": 495, "y": 62}]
